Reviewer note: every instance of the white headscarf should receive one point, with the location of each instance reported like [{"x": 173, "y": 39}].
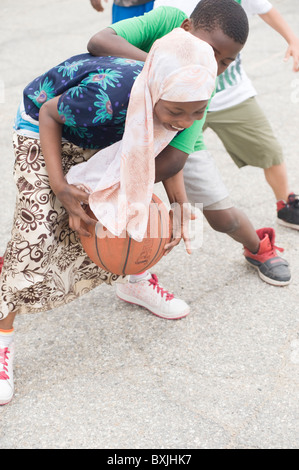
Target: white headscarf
[{"x": 179, "y": 68}]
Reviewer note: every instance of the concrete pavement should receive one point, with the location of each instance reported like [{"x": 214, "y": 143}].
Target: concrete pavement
[{"x": 102, "y": 374}]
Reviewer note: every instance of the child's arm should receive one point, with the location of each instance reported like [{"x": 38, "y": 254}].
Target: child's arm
[
  {"x": 169, "y": 162},
  {"x": 129, "y": 37},
  {"x": 107, "y": 42},
  {"x": 180, "y": 211},
  {"x": 274, "y": 19},
  {"x": 70, "y": 196},
  {"x": 169, "y": 169}
]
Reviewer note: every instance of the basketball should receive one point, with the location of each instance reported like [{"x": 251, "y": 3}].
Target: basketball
[{"x": 124, "y": 255}]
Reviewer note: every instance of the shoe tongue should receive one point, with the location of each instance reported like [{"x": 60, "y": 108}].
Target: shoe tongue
[
  {"x": 140, "y": 277},
  {"x": 266, "y": 232},
  {"x": 267, "y": 243}
]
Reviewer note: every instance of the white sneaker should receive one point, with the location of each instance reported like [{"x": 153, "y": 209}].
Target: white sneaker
[
  {"x": 149, "y": 294},
  {"x": 6, "y": 373}
]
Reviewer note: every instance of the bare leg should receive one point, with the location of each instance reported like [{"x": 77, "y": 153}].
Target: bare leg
[
  {"x": 236, "y": 224},
  {"x": 276, "y": 177},
  {"x": 7, "y": 323}
]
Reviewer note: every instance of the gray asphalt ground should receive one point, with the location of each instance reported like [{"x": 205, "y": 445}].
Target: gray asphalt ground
[{"x": 104, "y": 374}]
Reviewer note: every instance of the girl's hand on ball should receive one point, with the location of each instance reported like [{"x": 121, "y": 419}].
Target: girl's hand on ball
[
  {"x": 72, "y": 199},
  {"x": 180, "y": 216}
]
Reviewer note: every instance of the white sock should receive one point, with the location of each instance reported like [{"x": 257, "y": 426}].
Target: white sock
[
  {"x": 6, "y": 337},
  {"x": 139, "y": 277}
]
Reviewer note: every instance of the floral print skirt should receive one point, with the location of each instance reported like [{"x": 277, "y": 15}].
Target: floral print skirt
[{"x": 45, "y": 265}]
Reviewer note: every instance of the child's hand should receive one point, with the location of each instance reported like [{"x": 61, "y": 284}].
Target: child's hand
[
  {"x": 293, "y": 51},
  {"x": 72, "y": 199},
  {"x": 97, "y": 4},
  {"x": 181, "y": 215}
]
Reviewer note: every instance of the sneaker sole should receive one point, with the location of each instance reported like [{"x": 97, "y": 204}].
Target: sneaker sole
[
  {"x": 268, "y": 280},
  {"x": 8, "y": 400},
  {"x": 130, "y": 300},
  {"x": 287, "y": 224}
]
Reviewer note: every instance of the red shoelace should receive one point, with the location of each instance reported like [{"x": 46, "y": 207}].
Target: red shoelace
[
  {"x": 155, "y": 283},
  {"x": 3, "y": 361}
]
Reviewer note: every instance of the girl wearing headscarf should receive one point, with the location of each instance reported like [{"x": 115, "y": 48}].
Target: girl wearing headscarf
[{"x": 66, "y": 115}]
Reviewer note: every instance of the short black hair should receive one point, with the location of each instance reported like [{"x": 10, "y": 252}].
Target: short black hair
[{"x": 226, "y": 15}]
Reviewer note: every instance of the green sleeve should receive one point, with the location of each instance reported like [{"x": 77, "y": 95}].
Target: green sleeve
[
  {"x": 191, "y": 139},
  {"x": 142, "y": 31}
]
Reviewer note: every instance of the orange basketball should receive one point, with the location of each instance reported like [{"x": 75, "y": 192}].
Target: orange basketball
[{"x": 124, "y": 255}]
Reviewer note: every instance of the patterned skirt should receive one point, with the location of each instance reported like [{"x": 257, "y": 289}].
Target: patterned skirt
[{"x": 45, "y": 265}]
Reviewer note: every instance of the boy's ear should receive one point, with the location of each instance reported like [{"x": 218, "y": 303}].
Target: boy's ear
[{"x": 187, "y": 24}]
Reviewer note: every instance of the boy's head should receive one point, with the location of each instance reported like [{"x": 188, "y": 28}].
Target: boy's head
[{"x": 221, "y": 23}]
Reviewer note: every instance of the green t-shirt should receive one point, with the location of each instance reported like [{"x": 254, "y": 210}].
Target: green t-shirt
[{"x": 142, "y": 32}]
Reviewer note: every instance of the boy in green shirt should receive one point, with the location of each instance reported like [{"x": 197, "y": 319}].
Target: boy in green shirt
[
  {"x": 133, "y": 38},
  {"x": 221, "y": 24}
]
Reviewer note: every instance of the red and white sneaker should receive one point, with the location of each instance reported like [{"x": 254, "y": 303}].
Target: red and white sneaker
[
  {"x": 6, "y": 372},
  {"x": 149, "y": 294},
  {"x": 271, "y": 268}
]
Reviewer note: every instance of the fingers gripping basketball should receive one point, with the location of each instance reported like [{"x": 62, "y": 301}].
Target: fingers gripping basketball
[{"x": 124, "y": 255}]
